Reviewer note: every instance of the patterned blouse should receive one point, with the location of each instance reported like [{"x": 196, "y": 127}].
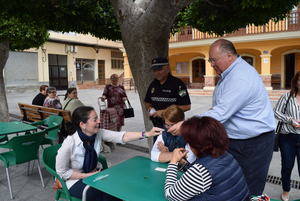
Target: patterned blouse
[{"x": 52, "y": 103}]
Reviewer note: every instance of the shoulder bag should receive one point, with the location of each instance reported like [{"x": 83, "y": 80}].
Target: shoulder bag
[
  {"x": 279, "y": 127},
  {"x": 128, "y": 111}
]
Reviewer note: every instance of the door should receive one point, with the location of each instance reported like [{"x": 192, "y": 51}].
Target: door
[
  {"x": 58, "y": 72},
  {"x": 198, "y": 70},
  {"x": 101, "y": 72},
  {"x": 289, "y": 60}
]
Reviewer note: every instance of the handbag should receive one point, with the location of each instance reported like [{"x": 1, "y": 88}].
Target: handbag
[
  {"x": 128, "y": 111},
  {"x": 279, "y": 127}
]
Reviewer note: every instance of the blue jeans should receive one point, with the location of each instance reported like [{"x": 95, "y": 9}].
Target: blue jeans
[
  {"x": 254, "y": 155},
  {"x": 92, "y": 193},
  {"x": 289, "y": 145}
]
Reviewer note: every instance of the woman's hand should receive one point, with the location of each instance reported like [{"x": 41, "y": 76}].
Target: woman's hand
[
  {"x": 178, "y": 154},
  {"x": 161, "y": 147},
  {"x": 103, "y": 98},
  {"x": 92, "y": 173},
  {"x": 154, "y": 132},
  {"x": 175, "y": 129},
  {"x": 296, "y": 123}
]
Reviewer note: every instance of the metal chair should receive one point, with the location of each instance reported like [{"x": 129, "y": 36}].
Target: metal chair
[
  {"x": 23, "y": 148},
  {"x": 48, "y": 160}
]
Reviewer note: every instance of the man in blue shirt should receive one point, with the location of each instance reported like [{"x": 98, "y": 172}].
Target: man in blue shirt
[{"x": 241, "y": 103}]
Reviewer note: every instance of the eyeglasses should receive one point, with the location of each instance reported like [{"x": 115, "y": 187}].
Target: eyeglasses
[
  {"x": 169, "y": 125},
  {"x": 52, "y": 92}
]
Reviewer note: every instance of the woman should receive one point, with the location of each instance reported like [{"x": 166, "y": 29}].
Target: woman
[
  {"x": 215, "y": 175},
  {"x": 40, "y": 98},
  {"x": 289, "y": 140},
  {"x": 52, "y": 100},
  {"x": 77, "y": 157},
  {"x": 71, "y": 101},
  {"x": 167, "y": 142},
  {"x": 116, "y": 96}
]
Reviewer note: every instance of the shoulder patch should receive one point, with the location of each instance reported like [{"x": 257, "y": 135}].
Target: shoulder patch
[
  {"x": 152, "y": 90},
  {"x": 182, "y": 93}
]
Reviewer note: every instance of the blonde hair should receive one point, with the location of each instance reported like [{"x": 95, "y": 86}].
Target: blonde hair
[{"x": 173, "y": 114}]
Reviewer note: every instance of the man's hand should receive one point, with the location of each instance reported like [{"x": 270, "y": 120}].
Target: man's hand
[
  {"x": 161, "y": 147},
  {"x": 296, "y": 123},
  {"x": 175, "y": 129},
  {"x": 158, "y": 113}
]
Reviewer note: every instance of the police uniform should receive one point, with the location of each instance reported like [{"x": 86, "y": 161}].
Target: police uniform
[{"x": 172, "y": 92}]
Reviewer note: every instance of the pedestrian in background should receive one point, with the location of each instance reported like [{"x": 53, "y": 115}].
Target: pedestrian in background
[
  {"x": 287, "y": 111},
  {"x": 116, "y": 96}
]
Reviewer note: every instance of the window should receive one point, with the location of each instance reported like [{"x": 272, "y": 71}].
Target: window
[
  {"x": 248, "y": 59},
  {"x": 117, "y": 60},
  {"x": 182, "y": 67}
]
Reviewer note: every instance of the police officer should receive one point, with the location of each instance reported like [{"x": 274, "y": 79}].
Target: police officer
[{"x": 165, "y": 90}]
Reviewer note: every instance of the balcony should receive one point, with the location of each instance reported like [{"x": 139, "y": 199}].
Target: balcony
[{"x": 291, "y": 23}]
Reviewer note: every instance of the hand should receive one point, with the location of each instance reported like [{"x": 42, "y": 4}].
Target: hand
[
  {"x": 296, "y": 123},
  {"x": 161, "y": 147},
  {"x": 92, "y": 173},
  {"x": 175, "y": 129},
  {"x": 158, "y": 113},
  {"x": 154, "y": 132},
  {"x": 178, "y": 154},
  {"x": 103, "y": 98}
]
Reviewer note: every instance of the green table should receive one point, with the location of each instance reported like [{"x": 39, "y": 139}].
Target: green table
[
  {"x": 133, "y": 180},
  {"x": 7, "y": 128}
]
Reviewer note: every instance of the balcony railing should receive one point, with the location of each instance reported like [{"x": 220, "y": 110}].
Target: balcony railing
[{"x": 291, "y": 23}]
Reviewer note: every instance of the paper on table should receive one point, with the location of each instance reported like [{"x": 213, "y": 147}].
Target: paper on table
[
  {"x": 160, "y": 169},
  {"x": 100, "y": 177}
]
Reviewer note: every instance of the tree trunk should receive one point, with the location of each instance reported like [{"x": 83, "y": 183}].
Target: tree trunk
[
  {"x": 4, "y": 51},
  {"x": 145, "y": 26}
]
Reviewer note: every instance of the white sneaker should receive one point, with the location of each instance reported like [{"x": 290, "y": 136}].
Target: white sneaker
[{"x": 284, "y": 197}]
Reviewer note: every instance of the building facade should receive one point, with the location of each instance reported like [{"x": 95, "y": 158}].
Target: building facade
[
  {"x": 66, "y": 59},
  {"x": 273, "y": 50}
]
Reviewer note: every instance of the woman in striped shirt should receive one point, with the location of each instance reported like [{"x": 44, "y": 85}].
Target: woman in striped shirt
[
  {"x": 289, "y": 140},
  {"x": 215, "y": 175}
]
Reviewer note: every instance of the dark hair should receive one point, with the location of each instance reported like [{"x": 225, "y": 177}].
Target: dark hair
[
  {"x": 50, "y": 89},
  {"x": 205, "y": 135},
  {"x": 173, "y": 114},
  {"x": 80, "y": 114},
  {"x": 226, "y": 46},
  {"x": 294, "y": 84},
  {"x": 43, "y": 87},
  {"x": 69, "y": 91}
]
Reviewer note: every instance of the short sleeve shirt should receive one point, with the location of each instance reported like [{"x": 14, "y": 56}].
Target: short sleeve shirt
[{"x": 172, "y": 92}]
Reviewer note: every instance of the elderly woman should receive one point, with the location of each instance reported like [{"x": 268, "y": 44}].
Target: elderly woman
[
  {"x": 52, "y": 100},
  {"x": 215, "y": 175},
  {"x": 77, "y": 157},
  {"x": 71, "y": 101},
  {"x": 116, "y": 96},
  {"x": 287, "y": 111}
]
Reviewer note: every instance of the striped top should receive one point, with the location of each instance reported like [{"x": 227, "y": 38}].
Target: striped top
[
  {"x": 194, "y": 181},
  {"x": 292, "y": 112}
]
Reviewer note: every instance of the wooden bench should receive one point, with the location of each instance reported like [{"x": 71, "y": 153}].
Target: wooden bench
[
  {"x": 32, "y": 113},
  {"x": 37, "y": 113}
]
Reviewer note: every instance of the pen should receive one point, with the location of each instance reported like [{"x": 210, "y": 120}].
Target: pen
[{"x": 100, "y": 177}]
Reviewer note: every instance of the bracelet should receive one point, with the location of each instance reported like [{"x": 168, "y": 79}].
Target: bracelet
[{"x": 144, "y": 135}]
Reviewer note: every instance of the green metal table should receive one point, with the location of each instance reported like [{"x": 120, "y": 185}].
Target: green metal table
[
  {"x": 137, "y": 179},
  {"x": 12, "y": 127}
]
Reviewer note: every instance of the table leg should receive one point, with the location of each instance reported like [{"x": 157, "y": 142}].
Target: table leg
[{"x": 84, "y": 192}]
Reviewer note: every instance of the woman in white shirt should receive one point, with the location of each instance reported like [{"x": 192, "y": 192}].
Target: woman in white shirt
[{"x": 77, "y": 157}]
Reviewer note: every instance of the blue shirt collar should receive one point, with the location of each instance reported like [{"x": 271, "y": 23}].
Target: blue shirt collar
[{"x": 229, "y": 69}]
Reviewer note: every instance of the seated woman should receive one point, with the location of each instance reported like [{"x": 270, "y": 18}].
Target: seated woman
[
  {"x": 71, "y": 101},
  {"x": 52, "y": 100},
  {"x": 167, "y": 142},
  {"x": 77, "y": 157},
  {"x": 215, "y": 175}
]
